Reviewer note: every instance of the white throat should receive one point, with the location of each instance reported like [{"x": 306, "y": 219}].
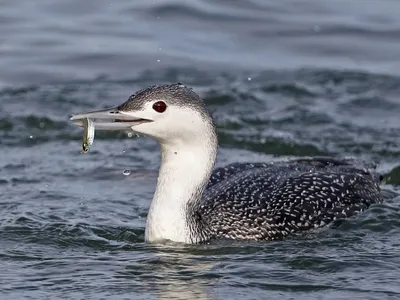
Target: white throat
[{"x": 184, "y": 172}]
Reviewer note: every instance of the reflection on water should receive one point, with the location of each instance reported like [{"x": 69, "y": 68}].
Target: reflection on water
[{"x": 180, "y": 275}]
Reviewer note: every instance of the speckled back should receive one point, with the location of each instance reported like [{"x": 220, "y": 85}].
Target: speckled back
[{"x": 272, "y": 200}]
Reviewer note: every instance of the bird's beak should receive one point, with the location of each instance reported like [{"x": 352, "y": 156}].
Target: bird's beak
[{"x": 110, "y": 119}]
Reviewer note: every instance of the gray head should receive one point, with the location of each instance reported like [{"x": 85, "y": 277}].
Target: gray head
[
  {"x": 173, "y": 94},
  {"x": 170, "y": 113}
]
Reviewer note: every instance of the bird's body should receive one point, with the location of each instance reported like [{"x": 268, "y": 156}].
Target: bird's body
[
  {"x": 268, "y": 201},
  {"x": 243, "y": 201}
]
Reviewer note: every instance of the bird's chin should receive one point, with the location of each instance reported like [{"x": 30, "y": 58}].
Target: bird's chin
[{"x": 110, "y": 120}]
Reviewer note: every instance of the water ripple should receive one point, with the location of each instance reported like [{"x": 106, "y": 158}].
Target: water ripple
[{"x": 282, "y": 79}]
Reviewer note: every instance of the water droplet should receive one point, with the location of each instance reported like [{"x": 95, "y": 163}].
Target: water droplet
[
  {"x": 158, "y": 60},
  {"x": 31, "y": 136},
  {"x": 159, "y": 48},
  {"x": 41, "y": 125},
  {"x": 249, "y": 78},
  {"x": 123, "y": 151},
  {"x": 126, "y": 172},
  {"x": 130, "y": 134}
]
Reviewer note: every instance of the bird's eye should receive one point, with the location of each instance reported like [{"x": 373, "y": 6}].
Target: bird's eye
[{"x": 160, "y": 106}]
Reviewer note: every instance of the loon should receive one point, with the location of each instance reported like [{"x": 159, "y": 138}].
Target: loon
[{"x": 193, "y": 203}]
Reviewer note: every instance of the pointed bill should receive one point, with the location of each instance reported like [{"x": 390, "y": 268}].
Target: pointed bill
[{"x": 110, "y": 119}]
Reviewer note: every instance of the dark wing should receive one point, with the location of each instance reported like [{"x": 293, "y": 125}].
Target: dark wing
[
  {"x": 269, "y": 201},
  {"x": 313, "y": 200},
  {"x": 222, "y": 173},
  {"x": 346, "y": 165}
]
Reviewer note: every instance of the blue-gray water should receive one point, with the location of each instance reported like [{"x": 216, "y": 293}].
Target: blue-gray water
[{"x": 282, "y": 78}]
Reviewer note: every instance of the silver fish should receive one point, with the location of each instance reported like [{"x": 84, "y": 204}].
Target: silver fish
[{"x": 88, "y": 135}]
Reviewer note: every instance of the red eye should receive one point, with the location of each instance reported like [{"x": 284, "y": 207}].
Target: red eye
[{"x": 160, "y": 106}]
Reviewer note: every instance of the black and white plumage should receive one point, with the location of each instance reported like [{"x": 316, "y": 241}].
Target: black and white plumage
[
  {"x": 242, "y": 201},
  {"x": 268, "y": 201}
]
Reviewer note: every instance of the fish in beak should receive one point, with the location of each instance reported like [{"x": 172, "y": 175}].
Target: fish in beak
[{"x": 111, "y": 119}]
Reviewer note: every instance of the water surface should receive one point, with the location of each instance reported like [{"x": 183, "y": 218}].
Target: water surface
[{"x": 282, "y": 79}]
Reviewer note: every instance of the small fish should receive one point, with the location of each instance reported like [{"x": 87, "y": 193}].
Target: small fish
[{"x": 88, "y": 135}]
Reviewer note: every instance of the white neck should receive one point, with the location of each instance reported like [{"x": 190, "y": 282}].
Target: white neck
[{"x": 184, "y": 172}]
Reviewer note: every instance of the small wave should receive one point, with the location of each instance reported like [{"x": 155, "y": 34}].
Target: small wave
[{"x": 51, "y": 230}]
